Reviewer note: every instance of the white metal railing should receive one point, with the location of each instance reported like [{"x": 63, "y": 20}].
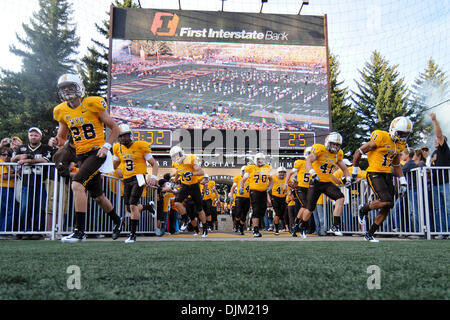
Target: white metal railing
[
  {"x": 424, "y": 211},
  {"x": 30, "y": 195},
  {"x": 28, "y": 203}
]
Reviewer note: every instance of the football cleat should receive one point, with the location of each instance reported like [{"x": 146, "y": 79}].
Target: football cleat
[
  {"x": 361, "y": 216},
  {"x": 205, "y": 233},
  {"x": 336, "y": 231},
  {"x": 131, "y": 238},
  {"x": 369, "y": 237},
  {"x": 152, "y": 208},
  {"x": 295, "y": 229},
  {"x": 241, "y": 230},
  {"x": 256, "y": 233},
  {"x": 185, "y": 224},
  {"x": 117, "y": 229},
  {"x": 76, "y": 236},
  {"x": 303, "y": 234}
]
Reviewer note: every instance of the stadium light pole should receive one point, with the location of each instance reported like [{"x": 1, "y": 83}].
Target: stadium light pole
[
  {"x": 223, "y": 1},
  {"x": 179, "y": 4},
  {"x": 301, "y": 7},
  {"x": 262, "y": 5}
]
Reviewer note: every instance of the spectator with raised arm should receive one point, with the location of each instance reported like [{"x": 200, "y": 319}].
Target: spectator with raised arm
[{"x": 440, "y": 178}]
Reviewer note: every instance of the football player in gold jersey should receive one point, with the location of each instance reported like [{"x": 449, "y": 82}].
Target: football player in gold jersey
[
  {"x": 209, "y": 194},
  {"x": 134, "y": 155},
  {"x": 242, "y": 201},
  {"x": 259, "y": 180},
  {"x": 320, "y": 164},
  {"x": 277, "y": 198},
  {"x": 190, "y": 174},
  {"x": 85, "y": 118},
  {"x": 302, "y": 180},
  {"x": 383, "y": 153},
  {"x": 290, "y": 200}
]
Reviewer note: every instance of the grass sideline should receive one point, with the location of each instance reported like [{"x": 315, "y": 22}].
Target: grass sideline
[{"x": 225, "y": 270}]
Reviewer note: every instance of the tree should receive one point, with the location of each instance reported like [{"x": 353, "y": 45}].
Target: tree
[
  {"x": 382, "y": 97},
  {"x": 94, "y": 68},
  {"x": 429, "y": 89},
  {"x": 343, "y": 116},
  {"x": 47, "y": 51}
]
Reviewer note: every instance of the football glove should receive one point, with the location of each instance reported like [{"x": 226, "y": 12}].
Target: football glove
[
  {"x": 315, "y": 178},
  {"x": 348, "y": 182},
  {"x": 241, "y": 190}
]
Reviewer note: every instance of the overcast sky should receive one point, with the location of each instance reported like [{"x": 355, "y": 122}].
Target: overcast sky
[{"x": 406, "y": 32}]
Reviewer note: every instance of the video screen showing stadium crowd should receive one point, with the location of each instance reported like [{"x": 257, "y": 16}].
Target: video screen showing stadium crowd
[
  {"x": 219, "y": 85},
  {"x": 86, "y": 183}
]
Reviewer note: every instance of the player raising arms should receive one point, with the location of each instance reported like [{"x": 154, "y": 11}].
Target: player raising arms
[
  {"x": 85, "y": 118},
  {"x": 135, "y": 155},
  {"x": 258, "y": 175},
  {"x": 320, "y": 164},
  {"x": 383, "y": 153},
  {"x": 190, "y": 175}
]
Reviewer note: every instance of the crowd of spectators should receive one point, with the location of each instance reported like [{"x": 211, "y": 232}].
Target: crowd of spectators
[
  {"x": 145, "y": 118},
  {"x": 141, "y": 58},
  {"x": 24, "y": 186}
]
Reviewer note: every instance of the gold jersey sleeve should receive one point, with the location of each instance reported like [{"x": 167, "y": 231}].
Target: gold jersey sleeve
[
  {"x": 168, "y": 196},
  {"x": 133, "y": 158},
  {"x": 325, "y": 161},
  {"x": 278, "y": 188},
  {"x": 9, "y": 173},
  {"x": 303, "y": 177},
  {"x": 246, "y": 193},
  {"x": 84, "y": 123},
  {"x": 187, "y": 166},
  {"x": 114, "y": 183},
  {"x": 258, "y": 176},
  {"x": 380, "y": 159}
]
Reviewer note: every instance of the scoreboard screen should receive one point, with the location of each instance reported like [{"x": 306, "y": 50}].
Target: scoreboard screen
[
  {"x": 156, "y": 138},
  {"x": 296, "y": 139}
]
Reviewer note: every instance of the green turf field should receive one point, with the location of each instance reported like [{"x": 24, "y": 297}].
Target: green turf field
[{"x": 221, "y": 270}]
